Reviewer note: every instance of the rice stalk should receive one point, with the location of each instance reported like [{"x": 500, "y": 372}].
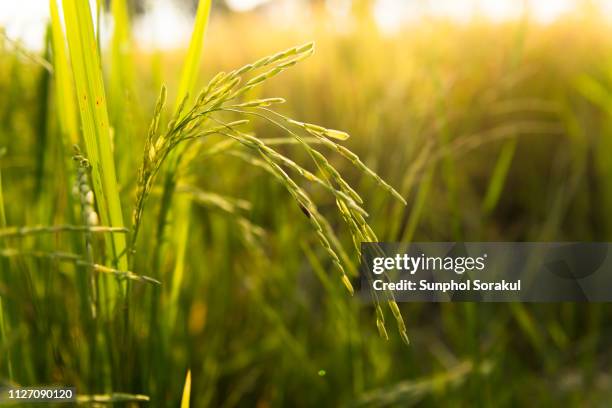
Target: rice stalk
[
  {"x": 78, "y": 261},
  {"x": 53, "y": 229},
  {"x": 84, "y": 194},
  {"x": 22, "y": 50}
]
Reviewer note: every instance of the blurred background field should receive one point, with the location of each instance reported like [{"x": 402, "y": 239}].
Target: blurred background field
[{"x": 495, "y": 124}]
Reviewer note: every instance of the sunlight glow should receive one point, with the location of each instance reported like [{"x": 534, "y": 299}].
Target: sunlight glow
[
  {"x": 164, "y": 26},
  {"x": 167, "y": 24},
  {"x": 393, "y": 14},
  {"x": 244, "y": 5},
  {"x": 25, "y": 20}
]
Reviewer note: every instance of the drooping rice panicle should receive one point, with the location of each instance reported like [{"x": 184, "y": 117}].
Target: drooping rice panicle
[{"x": 221, "y": 95}]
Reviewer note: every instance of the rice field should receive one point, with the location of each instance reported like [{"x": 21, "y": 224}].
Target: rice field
[{"x": 182, "y": 227}]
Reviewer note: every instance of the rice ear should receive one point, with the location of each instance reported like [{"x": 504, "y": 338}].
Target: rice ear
[{"x": 200, "y": 121}]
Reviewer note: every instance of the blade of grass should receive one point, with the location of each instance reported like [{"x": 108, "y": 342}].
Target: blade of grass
[
  {"x": 3, "y": 323},
  {"x": 4, "y": 342},
  {"x": 419, "y": 204},
  {"x": 124, "y": 106},
  {"x": 500, "y": 172},
  {"x": 64, "y": 90},
  {"x": 42, "y": 113},
  {"x": 189, "y": 75},
  {"x": 86, "y": 68},
  {"x": 3, "y": 224},
  {"x": 181, "y": 228},
  {"x": 449, "y": 173},
  {"x": 186, "y": 391}
]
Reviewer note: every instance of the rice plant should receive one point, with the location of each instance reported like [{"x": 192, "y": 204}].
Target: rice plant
[{"x": 223, "y": 108}]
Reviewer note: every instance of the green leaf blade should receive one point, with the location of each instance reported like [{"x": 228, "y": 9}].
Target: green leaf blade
[{"x": 86, "y": 68}]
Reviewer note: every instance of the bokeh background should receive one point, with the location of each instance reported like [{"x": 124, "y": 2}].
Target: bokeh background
[{"x": 492, "y": 118}]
